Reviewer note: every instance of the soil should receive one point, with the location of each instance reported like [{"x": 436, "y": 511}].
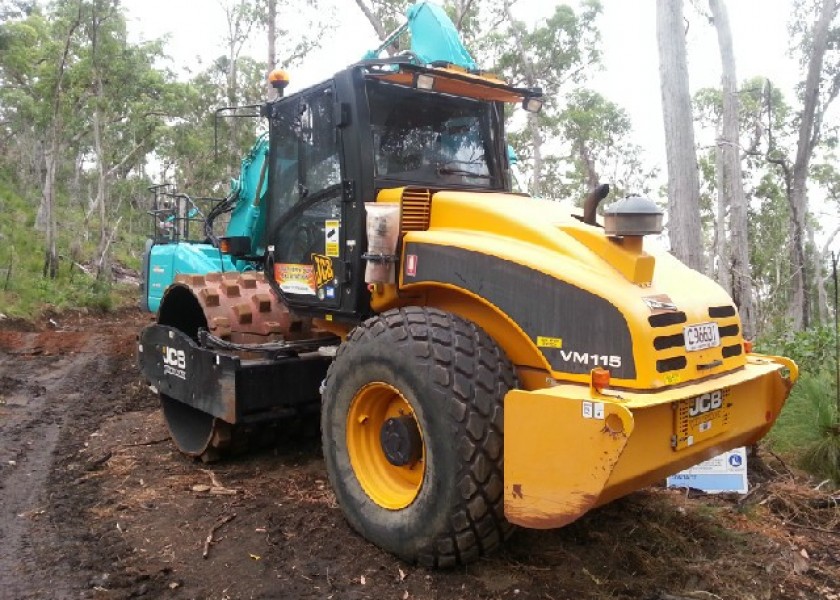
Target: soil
[{"x": 97, "y": 503}]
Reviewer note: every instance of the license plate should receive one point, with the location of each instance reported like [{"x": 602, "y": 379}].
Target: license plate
[
  {"x": 701, "y": 336},
  {"x": 701, "y": 417}
]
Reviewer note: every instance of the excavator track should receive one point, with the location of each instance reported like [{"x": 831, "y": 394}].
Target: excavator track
[{"x": 239, "y": 308}]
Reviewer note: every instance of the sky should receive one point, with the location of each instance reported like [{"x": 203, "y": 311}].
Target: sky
[{"x": 630, "y": 74}]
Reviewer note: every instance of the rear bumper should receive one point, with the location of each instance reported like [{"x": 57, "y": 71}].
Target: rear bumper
[{"x": 568, "y": 449}]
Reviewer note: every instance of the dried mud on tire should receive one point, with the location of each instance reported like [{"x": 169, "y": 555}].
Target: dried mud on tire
[{"x": 96, "y": 503}]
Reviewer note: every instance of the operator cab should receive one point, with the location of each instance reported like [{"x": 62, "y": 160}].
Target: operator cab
[{"x": 377, "y": 125}]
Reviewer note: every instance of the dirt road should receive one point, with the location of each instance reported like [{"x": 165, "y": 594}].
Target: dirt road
[{"x": 96, "y": 503}]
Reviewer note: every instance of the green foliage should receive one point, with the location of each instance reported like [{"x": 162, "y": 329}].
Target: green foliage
[
  {"x": 808, "y": 410},
  {"x": 23, "y": 291},
  {"x": 808, "y": 429},
  {"x": 812, "y": 349},
  {"x": 822, "y": 458}
]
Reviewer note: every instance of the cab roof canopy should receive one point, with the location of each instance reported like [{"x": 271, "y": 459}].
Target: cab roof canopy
[{"x": 448, "y": 79}]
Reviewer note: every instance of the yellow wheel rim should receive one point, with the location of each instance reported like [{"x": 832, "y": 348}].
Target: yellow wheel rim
[{"x": 390, "y": 486}]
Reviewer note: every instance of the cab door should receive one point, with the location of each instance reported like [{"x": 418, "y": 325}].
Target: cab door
[{"x": 306, "y": 210}]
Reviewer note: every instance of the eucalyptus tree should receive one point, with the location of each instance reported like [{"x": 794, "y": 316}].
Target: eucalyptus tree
[
  {"x": 554, "y": 54},
  {"x": 684, "y": 228},
  {"x": 597, "y": 135},
  {"x": 39, "y": 61},
  {"x": 820, "y": 54},
  {"x": 123, "y": 108},
  {"x": 734, "y": 256}
]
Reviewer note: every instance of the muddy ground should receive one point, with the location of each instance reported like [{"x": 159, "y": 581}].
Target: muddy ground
[{"x": 95, "y": 502}]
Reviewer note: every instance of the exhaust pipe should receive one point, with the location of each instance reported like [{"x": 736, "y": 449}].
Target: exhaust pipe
[{"x": 590, "y": 205}]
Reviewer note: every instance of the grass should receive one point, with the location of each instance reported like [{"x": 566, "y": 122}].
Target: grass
[
  {"x": 798, "y": 426},
  {"x": 24, "y": 292},
  {"x": 808, "y": 429}
]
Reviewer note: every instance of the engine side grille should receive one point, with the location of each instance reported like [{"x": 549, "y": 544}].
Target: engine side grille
[
  {"x": 666, "y": 319},
  {"x": 729, "y": 330},
  {"x": 416, "y": 209},
  {"x": 664, "y": 342},
  {"x": 671, "y": 364},
  {"x": 734, "y": 350},
  {"x": 719, "y": 312},
  {"x": 670, "y": 343}
]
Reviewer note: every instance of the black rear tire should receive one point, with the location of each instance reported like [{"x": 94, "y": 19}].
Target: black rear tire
[{"x": 454, "y": 378}]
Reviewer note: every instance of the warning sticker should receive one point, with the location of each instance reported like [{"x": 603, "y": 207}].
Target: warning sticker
[
  {"x": 331, "y": 237},
  {"x": 295, "y": 279},
  {"x": 549, "y": 342}
]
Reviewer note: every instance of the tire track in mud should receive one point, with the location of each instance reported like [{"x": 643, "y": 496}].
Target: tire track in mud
[{"x": 51, "y": 398}]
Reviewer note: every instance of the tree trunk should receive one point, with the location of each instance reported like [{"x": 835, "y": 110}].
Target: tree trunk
[
  {"x": 533, "y": 119},
  {"x": 378, "y": 26},
  {"x": 722, "y": 273},
  {"x": 48, "y": 202},
  {"x": 271, "y": 26},
  {"x": 683, "y": 179},
  {"x": 102, "y": 265},
  {"x": 823, "y": 307},
  {"x": 231, "y": 98},
  {"x": 537, "y": 158},
  {"x": 808, "y": 137},
  {"x": 733, "y": 184},
  {"x": 588, "y": 164},
  {"x": 51, "y": 157}
]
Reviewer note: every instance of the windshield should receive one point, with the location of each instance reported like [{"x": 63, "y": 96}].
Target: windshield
[{"x": 431, "y": 138}]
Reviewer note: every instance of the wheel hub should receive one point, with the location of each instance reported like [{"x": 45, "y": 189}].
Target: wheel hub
[
  {"x": 401, "y": 442},
  {"x": 385, "y": 445}
]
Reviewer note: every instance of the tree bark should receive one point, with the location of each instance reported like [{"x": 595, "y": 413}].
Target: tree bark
[
  {"x": 823, "y": 308},
  {"x": 51, "y": 157},
  {"x": 271, "y": 26},
  {"x": 732, "y": 176},
  {"x": 533, "y": 119},
  {"x": 807, "y": 139},
  {"x": 683, "y": 179},
  {"x": 375, "y": 22},
  {"x": 721, "y": 271}
]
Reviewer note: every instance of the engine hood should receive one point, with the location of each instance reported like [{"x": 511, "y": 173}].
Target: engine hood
[{"x": 582, "y": 299}]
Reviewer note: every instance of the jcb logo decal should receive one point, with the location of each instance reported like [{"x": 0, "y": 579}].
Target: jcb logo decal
[
  {"x": 324, "y": 272},
  {"x": 706, "y": 403},
  {"x": 174, "y": 362},
  {"x": 174, "y": 357}
]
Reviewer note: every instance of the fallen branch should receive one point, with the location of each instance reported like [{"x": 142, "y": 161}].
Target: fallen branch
[
  {"x": 213, "y": 481},
  {"x": 783, "y": 463},
  {"x": 94, "y": 464},
  {"x": 810, "y": 528},
  {"x": 743, "y": 500},
  {"x": 149, "y": 443},
  {"x": 216, "y": 487},
  {"x": 209, "y": 539}
]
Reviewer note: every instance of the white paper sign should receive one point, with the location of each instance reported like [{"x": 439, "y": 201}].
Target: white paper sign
[{"x": 724, "y": 473}]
